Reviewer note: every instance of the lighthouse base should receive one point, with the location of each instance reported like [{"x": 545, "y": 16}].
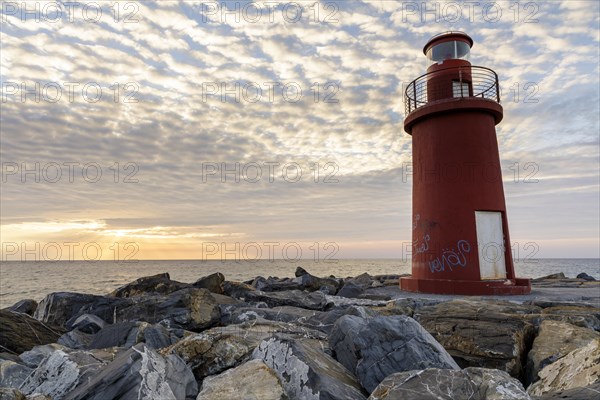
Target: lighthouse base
[{"x": 470, "y": 288}]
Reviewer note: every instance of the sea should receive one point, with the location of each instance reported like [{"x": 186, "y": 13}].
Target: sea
[{"x": 34, "y": 279}]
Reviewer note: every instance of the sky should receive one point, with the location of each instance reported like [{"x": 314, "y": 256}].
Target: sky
[{"x": 202, "y": 130}]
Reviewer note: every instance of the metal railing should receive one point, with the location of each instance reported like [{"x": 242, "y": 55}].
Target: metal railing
[{"x": 472, "y": 81}]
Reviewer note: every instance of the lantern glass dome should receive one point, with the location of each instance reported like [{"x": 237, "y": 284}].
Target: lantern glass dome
[{"x": 455, "y": 49}]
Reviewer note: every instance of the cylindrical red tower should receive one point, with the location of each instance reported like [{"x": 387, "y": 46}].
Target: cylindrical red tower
[{"x": 460, "y": 229}]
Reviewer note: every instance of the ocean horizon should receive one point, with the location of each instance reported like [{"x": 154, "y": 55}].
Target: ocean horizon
[{"x": 36, "y": 279}]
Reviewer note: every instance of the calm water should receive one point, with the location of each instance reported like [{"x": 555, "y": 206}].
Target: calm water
[{"x": 34, "y": 280}]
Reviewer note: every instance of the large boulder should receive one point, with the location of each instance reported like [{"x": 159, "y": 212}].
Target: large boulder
[
  {"x": 374, "y": 348},
  {"x": 445, "y": 384},
  {"x": 580, "y": 393},
  {"x": 555, "y": 340},
  {"x": 219, "y": 348},
  {"x": 138, "y": 373},
  {"x": 306, "y": 372},
  {"x": 26, "y": 306},
  {"x": 253, "y": 380},
  {"x": 20, "y": 332},
  {"x": 212, "y": 282},
  {"x": 155, "y": 284},
  {"x": 485, "y": 333},
  {"x": 61, "y": 372},
  {"x": 295, "y": 298},
  {"x": 13, "y": 374},
  {"x": 193, "y": 309},
  {"x": 579, "y": 368}
]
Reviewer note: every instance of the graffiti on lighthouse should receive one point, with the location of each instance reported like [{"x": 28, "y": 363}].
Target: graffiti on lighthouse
[{"x": 451, "y": 258}]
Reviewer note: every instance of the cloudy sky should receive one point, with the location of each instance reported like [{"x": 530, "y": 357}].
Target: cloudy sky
[{"x": 136, "y": 114}]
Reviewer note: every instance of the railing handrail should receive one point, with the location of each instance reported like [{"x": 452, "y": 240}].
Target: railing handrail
[
  {"x": 486, "y": 82},
  {"x": 446, "y": 33}
]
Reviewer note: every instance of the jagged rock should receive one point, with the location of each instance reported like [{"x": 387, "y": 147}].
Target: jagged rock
[
  {"x": 88, "y": 323},
  {"x": 127, "y": 334},
  {"x": 591, "y": 392},
  {"x": 13, "y": 374},
  {"x": 155, "y": 284},
  {"x": 403, "y": 306},
  {"x": 319, "y": 320},
  {"x": 559, "y": 275},
  {"x": 76, "y": 339},
  {"x": 35, "y": 356},
  {"x": 351, "y": 290},
  {"x": 585, "y": 276},
  {"x": 312, "y": 283},
  {"x": 219, "y": 348},
  {"x": 276, "y": 285},
  {"x": 482, "y": 333},
  {"x": 20, "y": 332},
  {"x": 60, "y": 372},
  {"x": 59, "y": 307},
  {"x": 374, "y": 348},
  {"x": 295, "y": 298},
  {"x": 11, "y": 394},
  {"x": 555, "y": 340},
  {"x": 138, "y": 373},
  {"x": 192, "y": 308},
  {"x": 26, "y": 306},
  {"x": 576, "y": 314},
  {"x": 212, "y": 282},
  {"x": 305, "y": 372},
  {"x": 579, "y": 368},
  {"x": 283, "y": 314},
  {"x": 445, "y": 384},
  {"x": 253, "y": 380},
  {"x": 237, "y": 290}
]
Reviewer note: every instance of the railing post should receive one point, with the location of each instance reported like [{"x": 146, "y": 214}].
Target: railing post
[
  {"x": 414, "y": 84},
  {"x": 497, "y": 87}
]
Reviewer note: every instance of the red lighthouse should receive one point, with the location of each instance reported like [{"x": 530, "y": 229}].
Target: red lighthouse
[{"x": 460, "y": 229}]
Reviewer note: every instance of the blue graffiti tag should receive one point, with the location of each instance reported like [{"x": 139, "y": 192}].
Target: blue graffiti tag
[{"x": 451, "y": 258}]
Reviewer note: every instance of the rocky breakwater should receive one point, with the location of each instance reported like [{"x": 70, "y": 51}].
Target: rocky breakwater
[{"x": 304, "y": 337}]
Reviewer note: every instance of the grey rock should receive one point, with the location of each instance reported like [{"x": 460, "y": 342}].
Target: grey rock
[
  {"x": 88, "y": 323},
  {"x": 374, "y": 348},
  {"x": 76, "y": 339},
  {"x": 591, "y": 392},
  {"x": 139, "y": 373},
  {"x": 128, "y": 334},
  {"x": 482, "y": 333},
  {"x": 155, "y": 284},
  {"x": 60, "y": 372},
  {"x": 191, "y": 308},
  {"x": 11, "y": 394},
  {"x": 275, "y": 285},
  {"x": 253, "y": 380},
  {"x": 351, "y": 290},
  {"x": 579, "y": 368},
  {"x": 555, "y": 340},
  {"x": 26, "y": 306},
  {"x": 13, "y": 374},
  {"x": 219, "y": 348},
  {"x": 306, "y": 372},
  {"x": 212, "y": 282},
  {"x": 559, "y": 275},
  {"x": 294, "y": 298},
  {"x": 20, "y": 332},
  {"x": 444, "y": 384},
  {"x": 586, "y": 277},
  {"x": 35, "y": 356}
]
